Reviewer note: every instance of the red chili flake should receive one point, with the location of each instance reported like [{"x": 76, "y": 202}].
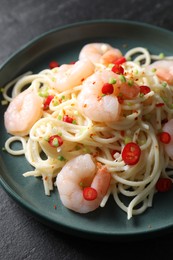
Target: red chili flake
[
  {"x": 131, "y": 153},
  {"x": 47, "y": 102},
  {"x": 107, "y": 89},
  {"x": 120, "y": 61},
  {"x": 164, "y": 121},
  {"x": 120, "y": 99},
  {"x": 117, "y": 69},
  {"x": 159, "y": 104},
  {"x": 164, "y": 137},
  {"x": 144, "y": 90},
  {"x": 55, "y": 141},
  {"x": 72, "y": 62},
  {"x": 54, "y": 206},
  {"x": 122, "y": 132},
  {"x": 163, "y": 184},
  {"x": 53, "y": 64},
  {"x": 89, "y": 193},
  {"x": 68, "y": 119}
]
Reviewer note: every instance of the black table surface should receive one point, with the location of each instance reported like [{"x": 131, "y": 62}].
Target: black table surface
[{"x": 21, "y": 235}]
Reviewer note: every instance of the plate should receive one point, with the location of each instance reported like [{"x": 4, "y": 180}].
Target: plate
[{"x": 64, "y": 44}]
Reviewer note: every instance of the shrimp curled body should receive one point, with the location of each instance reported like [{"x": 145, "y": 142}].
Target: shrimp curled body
[
  {"x": 22, "y": 113},
  {"x": 70, "y": 75},
  {"x": 100, "y": 53},
  {"x": 93, "y": 104},
  {"x": 82, "y": 169},
  {"x": 164, "y": 70}
]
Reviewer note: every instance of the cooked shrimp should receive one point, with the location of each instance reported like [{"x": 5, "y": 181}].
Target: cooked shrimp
[
  {"x": 164, "y": 70},
  {"x": 93, "y": 104},
  {"x": 100, "y": 53},
  {"x": 168, "y": 127},
  {"x": 23, "y": 111},
  {"x": 71, "y": 75},
  {"x": 82, "y": 169}
]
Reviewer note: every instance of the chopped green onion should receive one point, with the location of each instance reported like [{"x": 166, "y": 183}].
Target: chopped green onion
[
  {"x": 127, "y": 140},
  {"x": 136, "y": 72},
  {"x": 112, "y": 81},
  {"x": 74, "y": 122},
  {"x": 122, "y": 78},
  {"x": 161, "y": 55},
  {"x": 55, "y": 142},
  {"x": 61, "y": 158},
  {"x": 111, "y": 65},
  {"x": 130, "y": 82},
  {"x": 154, "y": 70},
  {"x": 164, "y": 84},
  {"x": 46, "y": 138},
  {"x": 43, "y": 93}
]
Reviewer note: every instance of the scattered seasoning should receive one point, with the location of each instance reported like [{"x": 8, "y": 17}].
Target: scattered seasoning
[
  {"x": 117, "y": 69},
  {"x": 131, "y": 153},
  {"x": 164, "y": 84},
  {"x": 122, "y": 78},
  {"x": 55, "y": 141},
  {"x": 61, "y": 158},
  {"x": 164, "y": 184},
  {"x": 164, "y": 137},
  {"x": 127, "y": 139},
  {"x": 43, "y": 93},
  {"x": 159, "y": 104},
  {"x": 161, "y": 55},
  {"x": 47, "y": 102},
  {"x": 112, "y": 81},
  {"x": 68, "y": 119},
  {"x": 120, "y": 61},
  {"x": 89, "y": 193},
  {"x": 144, "y": 90},
  {"x": 130, "y": 82},
  {"x": 107, "y": 89},
  {"x": 53, "y": 64},
  {"x": 54, "y": 206},
  {"x": 154, "y": 70}
]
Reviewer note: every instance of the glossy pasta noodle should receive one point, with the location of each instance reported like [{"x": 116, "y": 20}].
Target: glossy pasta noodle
[{"x": 140, "y": 119}]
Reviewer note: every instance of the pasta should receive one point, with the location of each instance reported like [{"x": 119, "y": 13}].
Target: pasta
[{"x": 139, "y": 121}]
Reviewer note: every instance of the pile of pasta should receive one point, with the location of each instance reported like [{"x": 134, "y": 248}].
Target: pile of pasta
[{"x": 141, "y": 120}]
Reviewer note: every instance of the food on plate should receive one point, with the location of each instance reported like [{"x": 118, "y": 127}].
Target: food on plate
[{"x": 97, "y": 127}]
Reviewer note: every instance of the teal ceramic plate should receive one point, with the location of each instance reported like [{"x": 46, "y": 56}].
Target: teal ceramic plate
[{"x": 64, "y": 44}]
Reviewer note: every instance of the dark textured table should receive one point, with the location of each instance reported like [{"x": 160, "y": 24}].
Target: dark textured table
[{"x": 21, "y": 235}]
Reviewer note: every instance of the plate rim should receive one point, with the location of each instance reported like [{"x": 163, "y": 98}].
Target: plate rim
[{"x": 44, "y": 219}]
